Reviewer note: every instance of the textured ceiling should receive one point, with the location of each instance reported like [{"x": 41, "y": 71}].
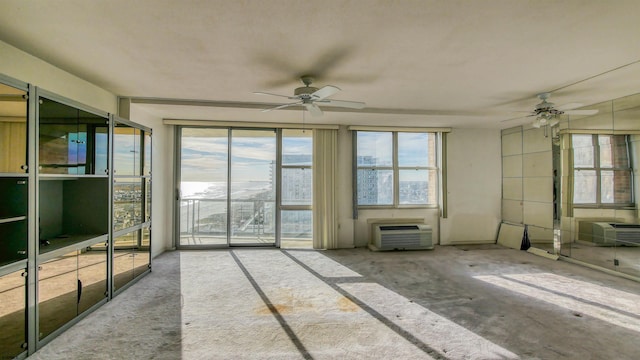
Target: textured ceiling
[{"x": 416, "y": 63}]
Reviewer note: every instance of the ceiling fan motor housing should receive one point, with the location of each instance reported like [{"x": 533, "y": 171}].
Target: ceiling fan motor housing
[{"x": 304, "y": 91}]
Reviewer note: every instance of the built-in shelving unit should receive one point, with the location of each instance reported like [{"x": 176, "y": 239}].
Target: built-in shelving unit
[
  {"x": 72, "y": 233},
  {"x": 14, "y": 205}
]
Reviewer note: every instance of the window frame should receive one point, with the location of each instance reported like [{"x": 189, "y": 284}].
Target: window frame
[
  {"x": 597, "y": 168},
  {"x": 396, "y": 168}
]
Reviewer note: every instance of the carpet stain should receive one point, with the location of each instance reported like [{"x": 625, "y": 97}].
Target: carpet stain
[
  {"x": 346, "y": 305},
  {"x": 279, "y": 308}
]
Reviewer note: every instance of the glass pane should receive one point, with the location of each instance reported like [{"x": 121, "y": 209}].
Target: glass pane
[
  {"x": 124, "y": 150},
  {"x": 72, "y": 210},
  {"x": 92, "y": 276},
  {"x": 297, "y": 147},
  {"x": 585, "y": 187},
  {"x": 71, "y": 141},
  {"x": 606, "y": 153},
  {"x": 414, "y": 187},
  {"x": 13, "y": 241},
  {"x": 12, "y": 314},
  {"x": 57, "y": 153},
  {"x": 123, "y": 258},
  {"x": 583, "y": 151},
  {"x": 137, "y": 154},
  {"x": 13, "y": 130},
  {"x": 142, "y": 254},
  {"x": 203, "y": 186},
  {"x": 616, "y": 187},
  {"x": 620, "y": 150},
  {"x": 147, "y": 154},
  {"x": 101, "y": 141},
  {"x": 57, "y": 292},
  {"x": 297, "y": 186},
  {"x": 375, "y": 148},
  {"x": 375, "y": 187},
  {"x": 297, "y": 226},
  {"x": 416, "y": 149},
  {"x": 147, "y": 200},
  {"x": 127, "y": 202},
  {"x": 13, "y": 213},
  {"x": 253, "y": 167}
]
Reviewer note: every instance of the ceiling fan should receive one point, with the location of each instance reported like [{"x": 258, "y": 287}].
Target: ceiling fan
[
  {"x": 310, "y": 97},
  {"x": 546, "y": 112}
]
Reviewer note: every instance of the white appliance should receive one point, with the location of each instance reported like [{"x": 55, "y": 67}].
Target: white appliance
[
  {"x": 402, "y": 237},
  {"x": 616, "y": 234}
]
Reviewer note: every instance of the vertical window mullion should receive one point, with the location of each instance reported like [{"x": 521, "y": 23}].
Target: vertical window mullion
[
  {"x": 396, "y": 172},
  {"x": 596, "y": 164}
]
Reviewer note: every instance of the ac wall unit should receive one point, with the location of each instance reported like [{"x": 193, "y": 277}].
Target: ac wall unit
[
  {"x": 402, "y": 237},
  {"x": 610, "y": 234}
]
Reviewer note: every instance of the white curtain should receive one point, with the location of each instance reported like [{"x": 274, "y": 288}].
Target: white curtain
[{"x": 325, "y": 153}]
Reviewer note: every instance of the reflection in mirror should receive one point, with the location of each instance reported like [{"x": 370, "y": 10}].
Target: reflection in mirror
[
  {"x": 127, "y": 202},
  {"x": 13, "y": 130},
  {"x": 57, "y": 293},
  {"x": 599, "y": 186},
  {"x": 147, "y": 200},
  {"x": 142, "y": 254},
  {"x": 12, "y": 314},
  {"x": 123, "y": 249},
  {"x": 71, "y": 141},
  {"x": 126, "y": 150},
  {"x": 92, "y": 276},
  {"x": 146, "y": 171}
]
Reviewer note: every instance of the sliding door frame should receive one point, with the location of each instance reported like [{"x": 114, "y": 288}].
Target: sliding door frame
[{"x": 178, "y": 195}]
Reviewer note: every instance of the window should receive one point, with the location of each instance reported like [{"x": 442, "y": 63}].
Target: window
[
  {"x": 396, "y": 168},
  {"x": 602, "y": 170},
  {"x": 297, "y": 186}
]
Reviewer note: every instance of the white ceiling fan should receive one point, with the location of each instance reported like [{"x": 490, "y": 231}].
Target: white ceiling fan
[
  {"x": 310, "y": 97},
  {"x": 546, "y": 112}
]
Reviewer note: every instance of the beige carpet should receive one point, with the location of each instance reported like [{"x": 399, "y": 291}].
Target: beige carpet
[{"x": 450, "y": 303}]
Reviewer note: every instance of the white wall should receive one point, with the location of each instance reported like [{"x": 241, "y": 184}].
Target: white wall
[
  {"x": 29, "y": 69},
  {"x": 162, "y": 199},
  {"x": 474, "y": 193},
  {"x": 474, "y": 187}
]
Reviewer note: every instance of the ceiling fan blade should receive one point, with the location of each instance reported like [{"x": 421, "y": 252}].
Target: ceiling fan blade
[
  {"x": 324, "y": 92},
  {"x": 519, "y": 117},
  {"x": 313, "y": 109},
  {"x": 282, "y": 106},
  {"x": 266, "y": 93},
  {"x": 345, "y": 104},
  {"x": 581, "y": 112},
  {"x": 569, "y": 106}
]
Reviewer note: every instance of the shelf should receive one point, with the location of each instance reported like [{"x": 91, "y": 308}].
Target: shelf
[
  {"x": 12, "y": 219},
  {"x": 63, "y": 244},
  {"x": 70, "y": 177}
]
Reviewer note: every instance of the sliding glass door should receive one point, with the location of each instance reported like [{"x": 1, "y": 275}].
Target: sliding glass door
[
  {"x": 253, "y": 187},
  {"x": 227, "y": 187},
  {"x": 202, "y": 205}
]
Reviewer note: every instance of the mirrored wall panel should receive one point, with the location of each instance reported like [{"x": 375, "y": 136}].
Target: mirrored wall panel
[{"x": 599, "y": 185}]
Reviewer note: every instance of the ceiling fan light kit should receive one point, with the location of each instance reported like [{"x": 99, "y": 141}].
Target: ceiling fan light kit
[
  {"x": 546, "y": 112},
  {"x": 310, "y": 97}
]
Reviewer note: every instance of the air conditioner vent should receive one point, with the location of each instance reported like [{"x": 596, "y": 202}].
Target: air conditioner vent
[{"x": 402, "y": 237}]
